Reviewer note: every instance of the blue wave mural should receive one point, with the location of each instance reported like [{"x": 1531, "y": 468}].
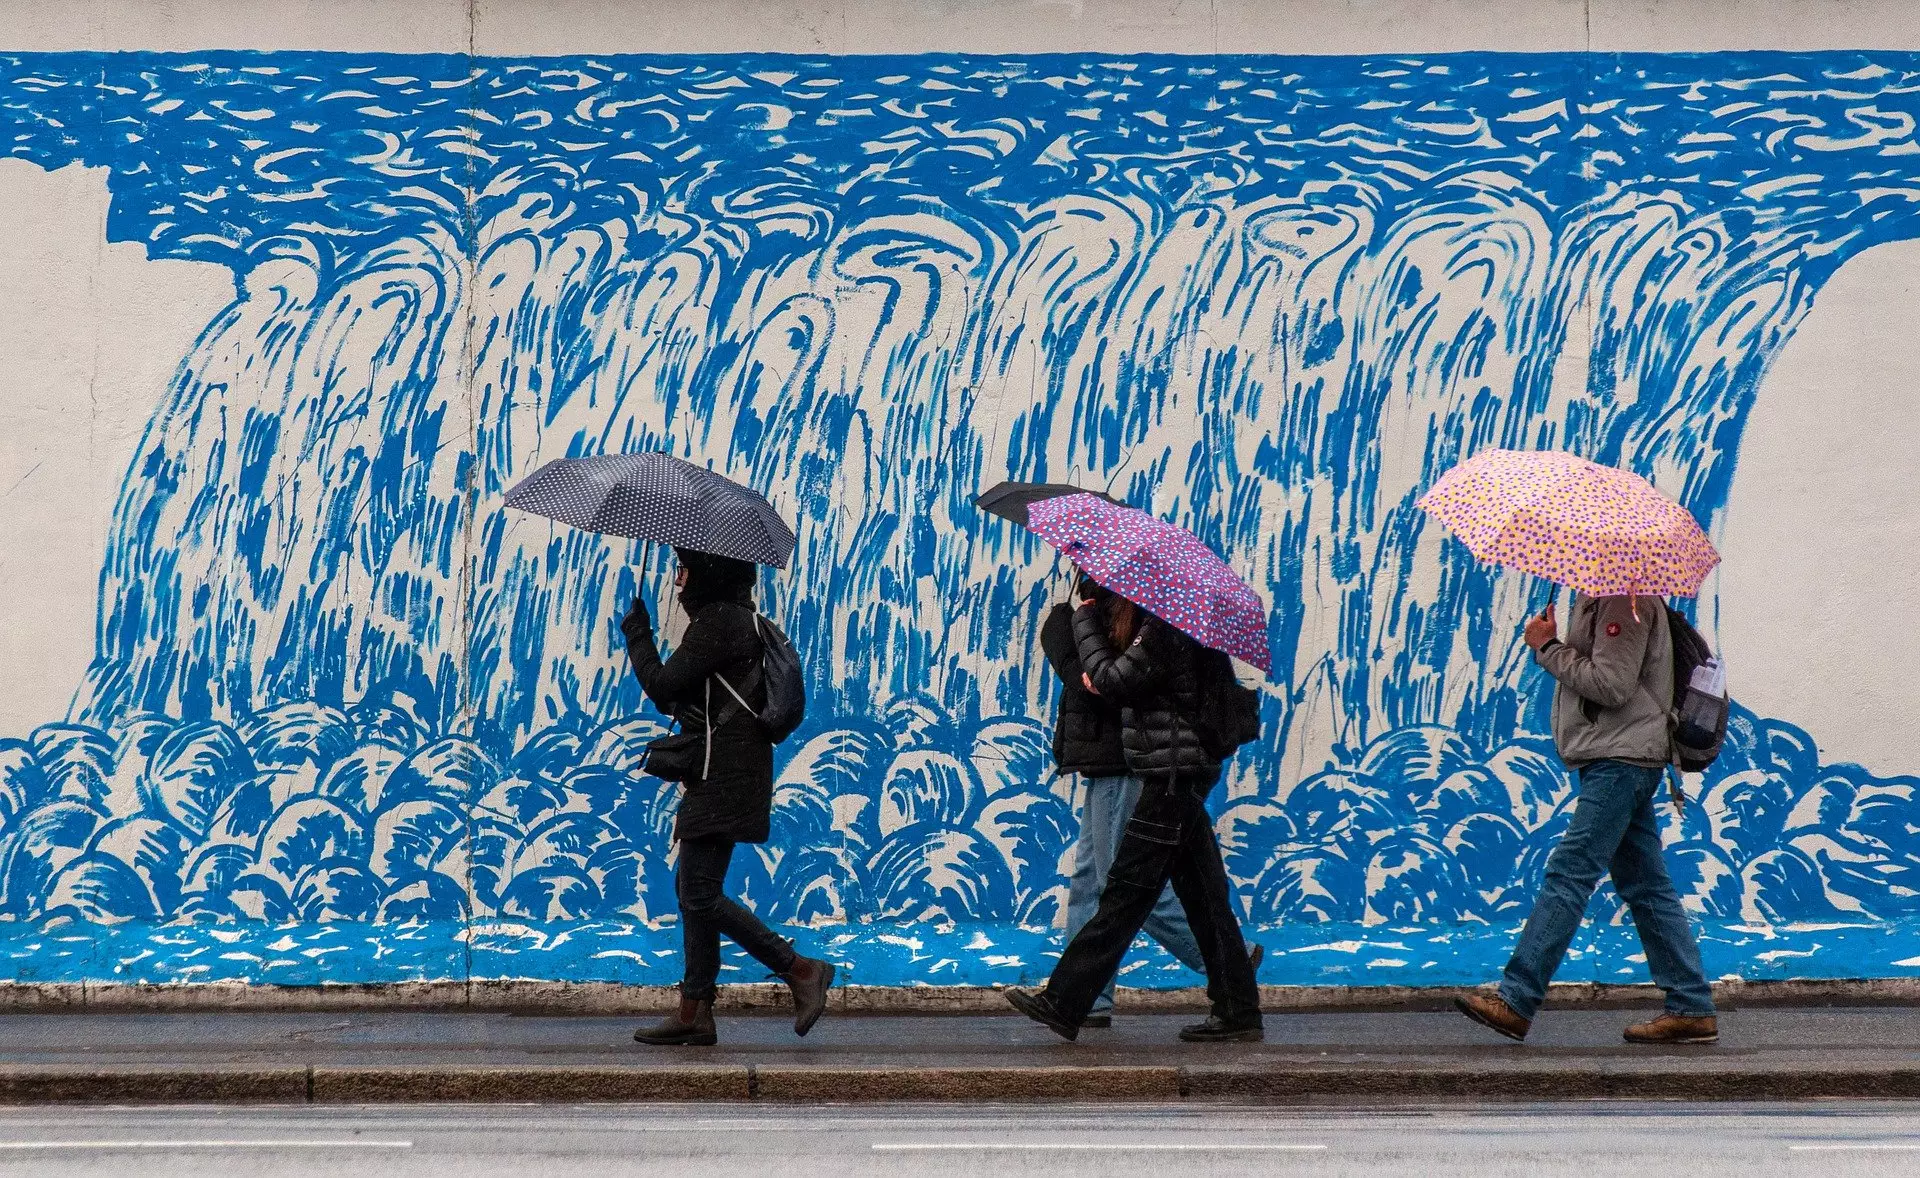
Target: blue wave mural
[{"x": 348, "y": 719}]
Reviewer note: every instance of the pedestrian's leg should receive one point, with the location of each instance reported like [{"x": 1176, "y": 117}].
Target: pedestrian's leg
[
  {"x": 1640, "y": 876},
  {"x": 749, "y": 932},
  {"x": 1167, "y": 923},
  {"x": 1200, "y": 880},
  {"x": 1600, "y": 817},
  {"x": 1102, "y": 817},
  {"x": 701, "y": 873},
  {"x": 1138, "y": 875}
]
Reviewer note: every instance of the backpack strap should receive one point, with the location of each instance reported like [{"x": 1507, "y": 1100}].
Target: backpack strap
[
  {"x": 1676, "y": 789},
  {"x": 707, "y": 719},
  {"x": 738, "y": 698},
  {"x": 739, "y": 701}
]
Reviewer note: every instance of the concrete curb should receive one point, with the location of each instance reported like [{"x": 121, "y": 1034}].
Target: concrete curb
[
  {"x": 556, "y": 1084},
  {"x": 541, "y": 997},
  {"x": 1271, "y": 1085},
  {"x": 1530, "y": 1085},
  {"x": 814, "y": 1085},
  {"x": 197, "y": 1085}
]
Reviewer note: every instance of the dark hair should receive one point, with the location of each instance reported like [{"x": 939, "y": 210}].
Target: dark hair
[
  {"x": 713, "y": 578},
  {"x": 1123, "y": 620}
]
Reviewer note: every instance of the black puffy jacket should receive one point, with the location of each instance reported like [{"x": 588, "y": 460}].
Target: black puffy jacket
[
  {"x": 1157, "y": 686},
  {"x": 735, "y": 800},
  {"x": 1086, "y": 738}
]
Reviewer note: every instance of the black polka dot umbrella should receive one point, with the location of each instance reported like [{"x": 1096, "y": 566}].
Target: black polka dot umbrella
[{"x": 661, "y": 498}]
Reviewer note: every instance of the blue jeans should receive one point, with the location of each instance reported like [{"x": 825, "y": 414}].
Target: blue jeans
[
  {"x": 1613, "y": 829},
  {"x": 1103, "y": 819}
]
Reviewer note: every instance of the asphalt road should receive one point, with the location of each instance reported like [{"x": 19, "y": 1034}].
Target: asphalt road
[{"x": 1057, "y": 1141}]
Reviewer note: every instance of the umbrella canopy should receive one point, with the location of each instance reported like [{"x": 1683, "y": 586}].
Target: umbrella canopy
[
  {"x": 1160, "y": 567},
  {"x": 1011, "y": 500},
  {"x": 661, "y": 498},
  {"x": 1602, "y": 531}
]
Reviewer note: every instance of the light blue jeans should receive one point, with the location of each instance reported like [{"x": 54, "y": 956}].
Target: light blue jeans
[
  {"x": 1614, "y": 829},
  {"x": 1103, "y": 820}
]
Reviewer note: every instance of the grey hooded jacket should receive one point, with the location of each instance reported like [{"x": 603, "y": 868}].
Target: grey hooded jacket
[{"x": 1615, "y": 673}]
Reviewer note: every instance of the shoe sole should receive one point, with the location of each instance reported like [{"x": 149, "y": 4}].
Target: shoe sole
[
  {"x": 826, "y": 983},
  {"x": 1464, "y": 1007},
  {"x": 691, "y": 1041},
  {"x": 1696, "y": 1040},
  {"x": 1256, "y": 1035}
]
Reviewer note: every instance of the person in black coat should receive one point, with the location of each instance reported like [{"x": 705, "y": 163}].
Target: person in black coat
[
  {"x": 731, "y": 799},
  {"x": 1087, "y": 743},
  {"x": 1151, "y": 671}
]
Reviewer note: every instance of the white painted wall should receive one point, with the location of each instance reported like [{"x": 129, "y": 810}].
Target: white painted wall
[
  {"x": 90, "y": 333},
  {"x": 1820, "y": 586},
  {"x": 532, "y": 27}
]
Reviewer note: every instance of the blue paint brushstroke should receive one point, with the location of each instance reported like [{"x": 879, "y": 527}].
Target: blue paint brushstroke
[{"x": 349, "y": 719}]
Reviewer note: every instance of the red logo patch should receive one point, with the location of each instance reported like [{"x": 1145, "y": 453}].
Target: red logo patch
[{"x": 1613, "y": 629}]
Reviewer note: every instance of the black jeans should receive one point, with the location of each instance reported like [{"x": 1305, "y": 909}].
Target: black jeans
[
  {"x": 705, "y": 913},
  {"x": 1169, "y": 839}
]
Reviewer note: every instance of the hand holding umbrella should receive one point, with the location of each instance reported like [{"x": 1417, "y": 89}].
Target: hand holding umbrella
[
  {"x": 638, "y": 620},
  {"x": 1541, "y": 629}
]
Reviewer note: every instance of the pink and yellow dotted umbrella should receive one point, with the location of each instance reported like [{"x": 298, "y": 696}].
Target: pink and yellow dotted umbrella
[{"x": 1601, "y": 531}]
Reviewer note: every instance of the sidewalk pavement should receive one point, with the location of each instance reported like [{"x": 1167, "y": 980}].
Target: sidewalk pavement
[{"x": 1322, "y": 1058}]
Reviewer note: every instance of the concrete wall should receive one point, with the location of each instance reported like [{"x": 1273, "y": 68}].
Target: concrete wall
[{"x": 290, "y": 293}]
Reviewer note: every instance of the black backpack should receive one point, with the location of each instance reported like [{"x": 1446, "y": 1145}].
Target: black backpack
[
  {"x": 786, "y": 688},
  {"x": 1701, "y": 717},
  {"x": 1229, "y": 712}
]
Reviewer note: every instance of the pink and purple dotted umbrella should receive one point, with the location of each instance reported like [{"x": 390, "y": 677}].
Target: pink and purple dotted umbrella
[{"x": 1160, "y": 567}]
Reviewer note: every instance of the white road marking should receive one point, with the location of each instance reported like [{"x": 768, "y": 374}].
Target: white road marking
[
  {"x": 235, "y": 1143},
  {"x": 1141, "y": 1147}
]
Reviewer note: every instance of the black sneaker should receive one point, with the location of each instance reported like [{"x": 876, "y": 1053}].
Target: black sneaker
[
  {"x": 1037, "y": 1008},
  {"x": 1215, "y": 1030},
  {"x": 1097, "y": 1022}
]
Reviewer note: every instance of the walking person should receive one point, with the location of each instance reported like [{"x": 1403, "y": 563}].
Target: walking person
[
  {"x": 1612, "y": 710},
  {"x": 1086, "y": 743},
  {"x": 729, "y": 795},
  {"x": 1148, "y": 670}
]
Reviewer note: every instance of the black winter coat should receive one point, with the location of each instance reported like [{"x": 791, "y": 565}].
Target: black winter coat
[
  {"x": 1086, "y": 737},
  {"x": 735, "y": 800},
  {"x": 1156, "y": 683}
]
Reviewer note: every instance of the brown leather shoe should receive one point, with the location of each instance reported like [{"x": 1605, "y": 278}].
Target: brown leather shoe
[
  {"x": 1491, "y": 1011},
  {"x": 1675, "y": 1028},
  {"x": 691, "y": 1026},
  {"x": 809, "y": 979}
]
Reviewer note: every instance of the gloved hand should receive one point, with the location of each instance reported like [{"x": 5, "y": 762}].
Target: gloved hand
[{"x": 638, "y": 621}]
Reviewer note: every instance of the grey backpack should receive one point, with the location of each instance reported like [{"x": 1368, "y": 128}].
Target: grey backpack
[{"x": 1699, "y": 697}]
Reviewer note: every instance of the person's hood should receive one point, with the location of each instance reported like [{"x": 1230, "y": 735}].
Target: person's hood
[{"x": 713, "y": 578}]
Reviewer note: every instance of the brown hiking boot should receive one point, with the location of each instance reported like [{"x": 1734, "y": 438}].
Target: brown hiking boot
[
  {"x": 1675, "y": 1028},
  {"x": 1492, "y": 1012}
]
